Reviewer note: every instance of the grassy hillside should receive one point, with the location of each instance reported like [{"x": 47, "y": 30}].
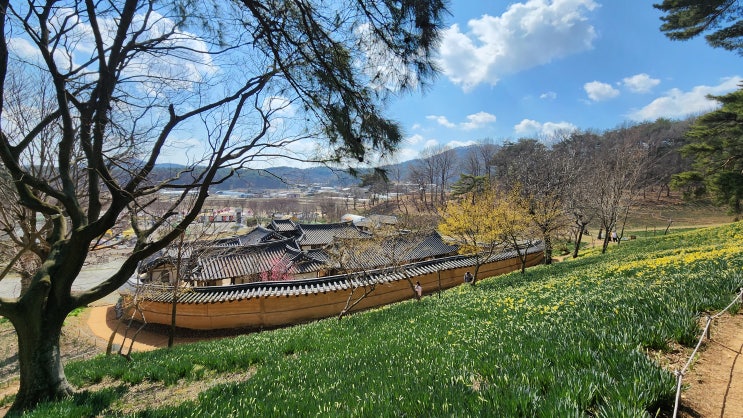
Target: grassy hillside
[
  {"x": 652, "y": 214},
  {"x": 566, "y": 340}
]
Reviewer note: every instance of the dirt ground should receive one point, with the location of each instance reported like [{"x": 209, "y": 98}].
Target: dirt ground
[
  {"x": 714, "y": 384},
  {"x": 713, "y": 387}
]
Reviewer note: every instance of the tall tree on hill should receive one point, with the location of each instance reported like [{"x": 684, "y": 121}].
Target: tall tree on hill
[
  {"x": 663, "y": 140},
  {"x": 445, "y": 165},
  {"x": 435, "y": 168},
  {"x": 716, "y": 136},
  {"x": 469, "y": 185},
  {"x": 134, "y": 80},
  {"x": 479, "y": 158},
  {"x": 576, "y": 154},
  {"x": 721, "y": 19},
  {"x": 621, "y": 158},
  {"x": 377, "y": 183},
  {"x": 542, "y": 180},
  {"x": 716, "y": 143}
]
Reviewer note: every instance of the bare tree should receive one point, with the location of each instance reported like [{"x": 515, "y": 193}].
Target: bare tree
[
  {"x": 618, "y": 165},
  {"x": 478, "y": 160},
  {"x": 529, "y": 167},
  {"x": 132, "y": 318},
  {"x": 576, "y": 154},
  {"x": 445, "y": 164},
  {"x": 134, "y": 80},
  {"x": 349, "y": 256}
]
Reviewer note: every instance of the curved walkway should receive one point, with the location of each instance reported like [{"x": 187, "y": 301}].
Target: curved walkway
[{"x": 102, "y": 322}]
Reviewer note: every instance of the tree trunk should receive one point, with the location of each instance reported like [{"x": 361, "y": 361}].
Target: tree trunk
[
  {"x": 477, "y": 271},
  {"x": 25, "y": 281},
  {"x": 438, "y": 274},
  {"x": 41, "y": 371},
  {"x": 607, "y": 237},
  {"x": 522, "y": 257},
  {"x": 547, "y": 248},
  {"x": 176, "y": 285},
  {"x": 578, "y": 239}
]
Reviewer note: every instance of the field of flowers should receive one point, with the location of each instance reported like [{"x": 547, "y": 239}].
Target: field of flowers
[{"x": 564, "y": 340}]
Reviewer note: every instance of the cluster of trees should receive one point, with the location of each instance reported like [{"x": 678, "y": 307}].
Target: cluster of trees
[
  {"x": 716, "y": 139},
  {"x": 535, "y": 191}
]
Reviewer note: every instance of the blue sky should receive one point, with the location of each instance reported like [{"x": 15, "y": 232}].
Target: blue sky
[
  {"x": 509, "y": 70},
  {"x": 528, "y": 69}
]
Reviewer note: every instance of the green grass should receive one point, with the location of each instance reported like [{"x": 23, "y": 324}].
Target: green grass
[{"x": 562, "y": 340}]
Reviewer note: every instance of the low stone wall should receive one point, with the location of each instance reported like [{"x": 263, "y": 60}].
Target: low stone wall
[{"x": 270, "y": 311}]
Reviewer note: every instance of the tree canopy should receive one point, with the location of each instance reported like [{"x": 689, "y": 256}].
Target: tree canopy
[
  {"x": 722, "y": 20},
  {"x": 716, "y": 143}
]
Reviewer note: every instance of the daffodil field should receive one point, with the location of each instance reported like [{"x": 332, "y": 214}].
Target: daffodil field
[{"x": 567, "y": 340}]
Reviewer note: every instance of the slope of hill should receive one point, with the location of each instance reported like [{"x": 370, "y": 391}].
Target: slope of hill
[{"x": 570, "y": 339}]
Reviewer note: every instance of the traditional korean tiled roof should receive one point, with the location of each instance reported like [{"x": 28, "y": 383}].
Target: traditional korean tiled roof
[
  {"x": 261, "y": 251},
  {"x": 233, "y": 262},
  {"x": 258, "y": 235},
  {"x": 376, "y": 221},
  {"x": 429, "y": 245},
  {"x": 324, "y": 234},
  {"x": 400, "y": 249},
  {"x": 213, "y": 294},
  {"x": 282, "y": 225},
  {"x": 302, "y": 262},
  {"x": 168, "y": 255}
]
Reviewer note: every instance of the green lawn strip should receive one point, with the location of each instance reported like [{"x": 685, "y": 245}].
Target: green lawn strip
[{"x": 563, "y": 340}]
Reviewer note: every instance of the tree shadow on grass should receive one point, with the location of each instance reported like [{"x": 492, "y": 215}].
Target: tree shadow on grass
[{"x": 82, "y": 404}]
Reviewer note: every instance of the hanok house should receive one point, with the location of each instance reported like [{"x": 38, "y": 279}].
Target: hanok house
[{"x": 284, "y": 250}]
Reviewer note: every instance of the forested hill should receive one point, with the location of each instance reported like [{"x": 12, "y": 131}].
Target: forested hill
[{"x": 282, "y": 177}]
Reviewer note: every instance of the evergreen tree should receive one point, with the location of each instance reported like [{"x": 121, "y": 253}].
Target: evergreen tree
[
  {"x": 717, "y": 147},
  {"x": 686, "y": 19}
]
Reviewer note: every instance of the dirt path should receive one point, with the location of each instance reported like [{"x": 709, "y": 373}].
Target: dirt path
[
  {"x": 102, "y": 323},
  {"x": 715, "y": 381}
]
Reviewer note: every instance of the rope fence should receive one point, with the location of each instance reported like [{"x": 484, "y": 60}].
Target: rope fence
[{"x": 705, "y": 334}]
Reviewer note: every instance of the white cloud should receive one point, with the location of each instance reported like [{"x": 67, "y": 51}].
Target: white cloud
[
  {"x": 550, "y": 95},
  {"x": 474, "y": 121},
  {"x": 526, "y": 35},
  {"x": 278, "y": 106},
  {"x": 477, "y": 120},
  {"x": 529, "y": 127},
  {"x": 640, "y": 83},
  {"x": 431, "y": 143},
  {"x": 598, "y": 91},
  {"x": 455, "y": 144},
  {"x": 405, "y": 154},
  {"x": 23, "y": 48},
  {"x": 551, "y": 128},
  {"x": 441, "y": 120},
  {"x": 676, "y": 103},
  {"x": 415, "y": 139}
]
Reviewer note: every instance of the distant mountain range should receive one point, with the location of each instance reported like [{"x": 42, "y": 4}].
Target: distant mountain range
[{"x": 288, "y": 177}]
